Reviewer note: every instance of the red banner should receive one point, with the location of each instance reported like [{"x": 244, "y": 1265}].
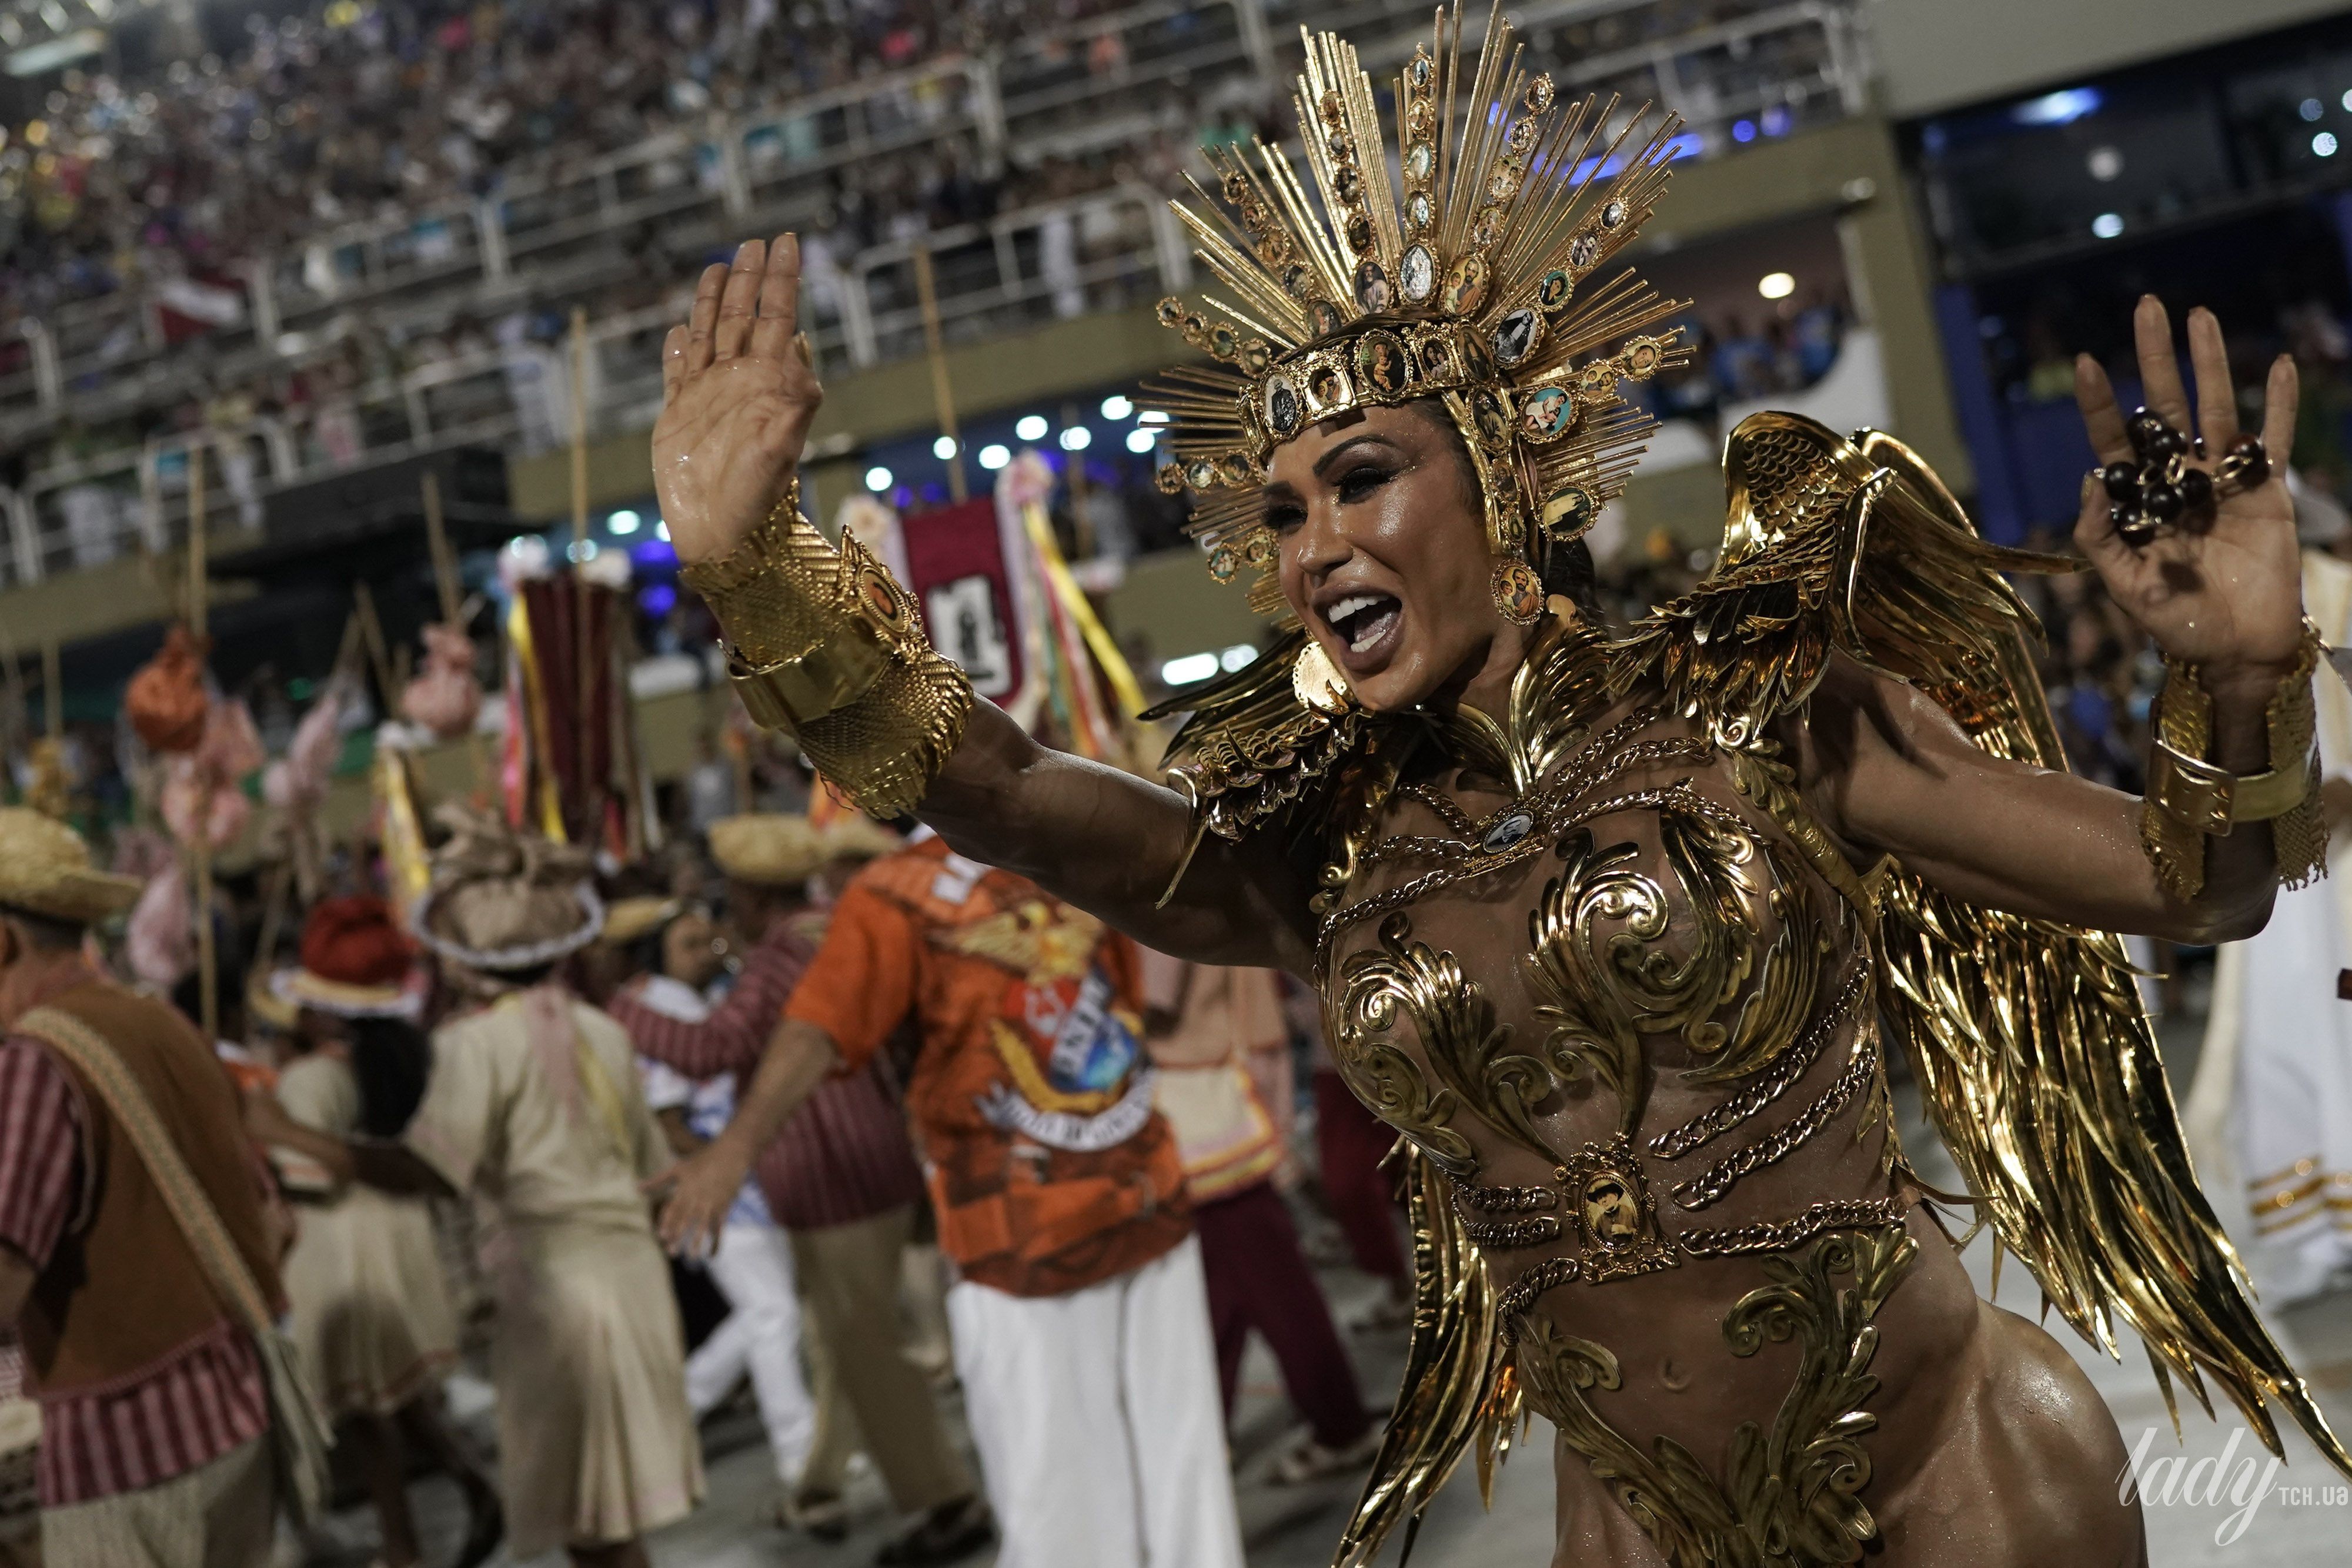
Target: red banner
[{"x": 957, "y": 572}]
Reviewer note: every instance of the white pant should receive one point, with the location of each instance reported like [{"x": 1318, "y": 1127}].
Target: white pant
[
  {"x": 1101, "y": 1434},
  {"x": 761, "y": 1333}
]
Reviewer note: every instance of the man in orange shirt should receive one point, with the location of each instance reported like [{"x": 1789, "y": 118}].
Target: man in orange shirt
[{"x": 1079, "y": 1316}]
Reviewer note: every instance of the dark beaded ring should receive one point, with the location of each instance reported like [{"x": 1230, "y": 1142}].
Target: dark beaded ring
[{"x": 2161, "y": 489}]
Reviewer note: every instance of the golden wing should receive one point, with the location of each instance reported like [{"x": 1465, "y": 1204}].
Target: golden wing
[
  {"x": 2038, "y": 1062},
  {"x": 1458, "y": 1394}
]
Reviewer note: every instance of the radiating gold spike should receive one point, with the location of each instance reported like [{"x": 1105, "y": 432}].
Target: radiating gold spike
[
  {"x": 1240, "y": 318},
  {"x": 1510, "y": 258},
  {"x": 1465, "y": 175},
  {"x": 1449, "y": 71},
  {"x": 1211, "y": 205},
  {"x": 1537, "y": 248},
  {"x": 1235, "y": 260},
  {"x": 1380, "y": 196},
  {"x": 1307, "y": 229}
]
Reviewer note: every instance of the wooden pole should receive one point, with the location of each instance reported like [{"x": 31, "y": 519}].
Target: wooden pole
[
  {"x": 942, "y": 394},
  {"x": 444, "y": 561},
  {"x": 207, "y": 979},
  {"x": 579, "y": 424},
  {"x": 273, "y": 916},
  {"x": 583, "y": 662},
  {"x": 1082, "y": 533},
  {"x": 19, "y": 728},
  {"x": 379, "y": 655}
]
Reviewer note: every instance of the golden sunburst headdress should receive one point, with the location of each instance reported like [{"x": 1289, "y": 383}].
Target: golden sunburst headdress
[{"x": 1472, "y": 286}]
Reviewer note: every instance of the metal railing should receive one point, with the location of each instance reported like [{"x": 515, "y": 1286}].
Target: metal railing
[
  {"x": 563, "y": 220},
  {"x": 1097, "y": 252}
]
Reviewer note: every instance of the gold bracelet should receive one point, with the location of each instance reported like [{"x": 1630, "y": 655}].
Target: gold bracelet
[
  {"x": 825, "y": 645},
  {"x": 2189, "y": 800}
]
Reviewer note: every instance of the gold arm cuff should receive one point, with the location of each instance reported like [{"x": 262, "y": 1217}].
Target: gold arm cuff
[
  {"x": 2212, "y": 802},
  {"x": 2189, "y": 801},
  {"x": 825, "y": 645}
]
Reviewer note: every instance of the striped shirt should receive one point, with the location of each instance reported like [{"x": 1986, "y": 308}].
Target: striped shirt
[
  {"x": 845, "y": 1155},
  {"x": 187, "y": 1409}
]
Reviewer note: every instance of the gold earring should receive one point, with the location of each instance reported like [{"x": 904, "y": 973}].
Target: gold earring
[
  {"x": 1316, "y": 681},
  {"x": 1518, "y": 591}
]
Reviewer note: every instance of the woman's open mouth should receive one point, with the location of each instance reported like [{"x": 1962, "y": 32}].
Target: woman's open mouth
[{"x": 1369, "y": 626}]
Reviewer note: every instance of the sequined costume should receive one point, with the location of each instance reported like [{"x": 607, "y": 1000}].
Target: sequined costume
[{"x": 1671, "y": 1106}]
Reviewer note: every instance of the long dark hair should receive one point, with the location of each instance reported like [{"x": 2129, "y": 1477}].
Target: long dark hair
[{"x": 392, "y": 1058}]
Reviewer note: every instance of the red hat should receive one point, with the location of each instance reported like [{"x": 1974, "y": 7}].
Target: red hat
[{"x": 355, "y": 960}]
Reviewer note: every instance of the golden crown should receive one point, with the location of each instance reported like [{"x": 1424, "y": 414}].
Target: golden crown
[{"x": 1471, "y": 288}]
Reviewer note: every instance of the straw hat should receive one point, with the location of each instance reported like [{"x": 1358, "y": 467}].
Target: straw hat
[
  {"x": 266, "y": 1007},
  {"x": 772, "y": 849},
  {"x": 45, "y": 870},
  {"x": 627, "y": 919},
  {"x": 501, "y": 900},
  {"x": 355, "y": 962},
  {"x": 855, "y": 836}
]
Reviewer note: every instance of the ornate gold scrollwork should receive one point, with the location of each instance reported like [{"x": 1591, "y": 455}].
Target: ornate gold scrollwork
[
  {"x": 1603, "y": 989},
  {"x": 1470, "y": 1052},
  {"x": 1791, "y": 1497}
]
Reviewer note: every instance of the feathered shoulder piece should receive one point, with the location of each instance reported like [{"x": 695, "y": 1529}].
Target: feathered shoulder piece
[
  {"x": 1831, "y": 544},
  {"x": 2034, "y": 1053},
  {"x": 1261, "y": 738}
]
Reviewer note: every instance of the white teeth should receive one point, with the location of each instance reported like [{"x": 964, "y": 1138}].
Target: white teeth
[{"x": 1356, "y": 604}]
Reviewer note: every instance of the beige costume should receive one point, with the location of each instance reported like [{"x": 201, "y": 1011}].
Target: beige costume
[
  {"x": 2271, "y": 1114},
  {"x": 534, "y": 1105},
  {"x": 370, "y": 1306}
]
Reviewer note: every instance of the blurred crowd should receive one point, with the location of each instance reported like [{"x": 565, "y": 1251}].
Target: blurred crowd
[{"x": 351, "y": 111}]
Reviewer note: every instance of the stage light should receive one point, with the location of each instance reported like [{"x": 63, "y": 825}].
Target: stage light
[
  {"x": 2346, "y": 100},
  {"x": 2311, "y": 108},
  {"x": 993, "y": 456},
  {"x": 943, "y": 448},
  {"x": 1078, "y": 438},
  {"x": 1031, "y": 428},
  {"x": 1142, "y": 438},
  {"x": 2325, "y": 144},
  {"x": 2107, "y": 225},
  {"x": 581, "y": 550},
  {"x": 1743, "y": 130},
  {"x": 1776, "y": 285},
  {"x": 1192, "y": 667},
  {"x": 2063, "y": 107},
  {"x": 622, "y": 522},
  {"x": 1240, "y": 656},
  {"x": 877, "y": 478},
  {"x": 1117, "y": 407},
  {"x": 2106, "y": 163},
  {"x": 661, "y": 532}
]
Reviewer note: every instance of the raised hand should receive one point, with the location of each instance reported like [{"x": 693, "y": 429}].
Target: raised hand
[
  {"x": 739, "y": 393},
  {"x": 2223, "y": 590}
]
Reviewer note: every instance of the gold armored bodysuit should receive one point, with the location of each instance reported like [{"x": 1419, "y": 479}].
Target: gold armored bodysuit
[
  {"x": 1623, "y": 998},
  {"x": 1658, "y": 1196}
]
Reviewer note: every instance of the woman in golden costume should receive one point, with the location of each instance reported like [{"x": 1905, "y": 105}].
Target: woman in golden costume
[{"x": 1613, "y": 930}]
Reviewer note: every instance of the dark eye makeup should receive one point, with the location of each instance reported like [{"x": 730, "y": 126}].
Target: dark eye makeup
[{"x": 1361, "y": 480}]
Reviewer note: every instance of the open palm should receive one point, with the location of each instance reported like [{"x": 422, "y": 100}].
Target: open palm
[
  {"x": 2229, "y": 596},
  {"x": 739, "y": 393}
]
